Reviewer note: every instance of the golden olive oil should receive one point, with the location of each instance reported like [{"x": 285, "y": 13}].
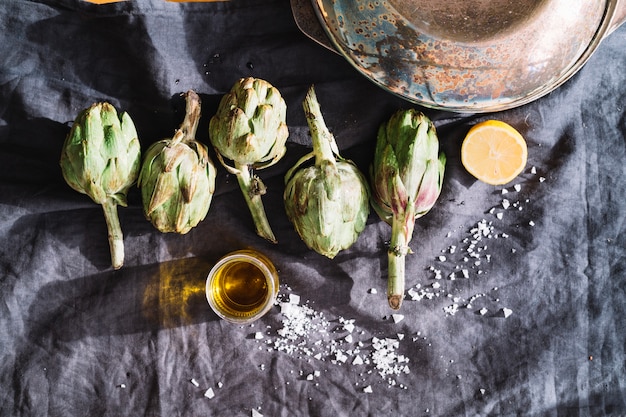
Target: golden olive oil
[{"x": 242, "y": 286}]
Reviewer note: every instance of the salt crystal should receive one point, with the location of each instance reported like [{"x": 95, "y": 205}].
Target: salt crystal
[
  {"x": 517, "y": 187},
  {"x": 483, "y": 311},
  {"x": 309, "y": 377},
  {"x": 368, "y": 389},
  {"x": 397, "y": 318},
  {"x": 504, "y": 191},
  {"x": 373, "y": 291},
  {"x": 482, "y": 390},
  {"x": 533, "y": 170},
  {"x": 258, "y": 335},
  {"x": 531, "y": 223},
  {"x": 499, "y": 216},
  {"x": 294, "y": 299},
  {"x": 436, "y": 285},
  {"x": 340, "y": 357},
  {"x": 349, "y": 326},
  {"x": 209, "y": 393},
  {"x": 507, "y": 312},
  {"x": 122, "y": 385},
  {"x": 442, "y": 258},
  {"x": 220, "y": 385},
  {"x": 541, "y": 179},
  {"x": 256, "y": 413},
  {"x": 465, "y": 273},
  {"x": 357, "y": 360},
  {"x": 194, "y": 382},
  {"x": 505, "y": 204},
  {"x": 348, "y": 338}
]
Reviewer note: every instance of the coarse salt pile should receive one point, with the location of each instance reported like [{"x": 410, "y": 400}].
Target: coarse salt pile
[{"x": 307, "y": 332}]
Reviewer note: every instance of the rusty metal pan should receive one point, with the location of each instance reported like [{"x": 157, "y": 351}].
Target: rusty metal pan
[{"x": 463, "y": 55}]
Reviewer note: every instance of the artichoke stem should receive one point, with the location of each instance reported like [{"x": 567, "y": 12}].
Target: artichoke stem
[
  {"x": 189, "y": 126},
  {"x": 323, "y": 140},
  {"x": 252, "y": 194},
  {"x": 401, "y": 232},
  {"x": 116, "y": 239}
]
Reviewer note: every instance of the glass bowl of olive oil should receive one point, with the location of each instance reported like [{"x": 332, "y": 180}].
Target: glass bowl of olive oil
[{"x": 242, "y": 286}]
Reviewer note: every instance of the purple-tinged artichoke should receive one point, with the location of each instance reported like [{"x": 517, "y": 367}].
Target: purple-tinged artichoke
[
  {"x": 250, "y": 130},
  {"x": 177, "y": 178},
  {"x": 407, "y": 175},
  {"x": 328, "y": 202},
  {"x": 101, "y": 158}
]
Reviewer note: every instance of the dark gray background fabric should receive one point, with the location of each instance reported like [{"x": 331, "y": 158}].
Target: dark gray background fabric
[{"x": 79, "y": 339}]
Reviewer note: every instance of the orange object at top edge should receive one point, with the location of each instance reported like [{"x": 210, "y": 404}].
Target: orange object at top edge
[{"x": 174, "y": 1}]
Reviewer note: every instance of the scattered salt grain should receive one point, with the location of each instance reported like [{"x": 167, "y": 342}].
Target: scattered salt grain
[
  {"x": 506, "y": 204},
  {"x": 122, "y": 386},
  {"x": 483, "y": 311},
  {"x": 294, "y": 299},
  {"x": 542, "y": 179},
  {"x": 258, "y": 335},
  {"x": 397, "y": 318},
  {"x": 368, "y": 389},
  {"x": 209, "y": 393},
  {"x": 442, "y": 258},
  {"x": 500, "y": 215},
  {"x": 373, "y": 291},
  {"x": 255, "y": 413},
  {"x": 533, "y": 170},
  {"x": 506, "y": 312},
  {"x": 531, "y": 223},
  {"x": 194, "y": 382},
  {"x": 505, "y": 191},
  {"x": 357, "y": 360},
  {"x": 517, "y": 187}
]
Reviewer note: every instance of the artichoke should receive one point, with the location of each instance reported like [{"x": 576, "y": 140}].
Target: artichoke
[
  {"x": 328, "y": 203},
  {"x": 249, "y": 129},
  {"x": 101, "y": 157},
  {"x": 407, "y": 174},
  {"x": 177, "y": 178}
]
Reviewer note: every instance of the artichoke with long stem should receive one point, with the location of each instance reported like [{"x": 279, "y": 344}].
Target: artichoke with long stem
[
  {"x": 101, "y": 157},
  {"x": 407, "y": 175},
  {"x": 177, "y": 178},
  {"x": 250, "y": 130},
  {"x": 328, "y": 202}
]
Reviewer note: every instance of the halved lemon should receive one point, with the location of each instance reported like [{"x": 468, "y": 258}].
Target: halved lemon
[{"x": 494, "y": 152}]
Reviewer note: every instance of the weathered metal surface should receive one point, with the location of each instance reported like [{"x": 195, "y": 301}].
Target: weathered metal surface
[{"x": 466, "y": 56}]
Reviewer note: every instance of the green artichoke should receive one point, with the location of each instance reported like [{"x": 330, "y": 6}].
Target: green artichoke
[
  {"x": 328, "y": 203},
  {"x": 101, "y": 157},
  {"x": 407, "y": 174},
  {"x": 250, "y": 130},
  {"x": 177, "y": 178}
]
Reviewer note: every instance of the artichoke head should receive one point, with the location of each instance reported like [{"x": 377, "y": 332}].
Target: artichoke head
[
  {"x": 407, "y": 175},
  {"x": 250, "y": 127},
  {"x": 101, "y": 157},
  {"x": 177, "y": 178},
  {"x": 328, "y": 202},
  {"x": 101, "y": 154},
  {"x": 407, "y": 171}
]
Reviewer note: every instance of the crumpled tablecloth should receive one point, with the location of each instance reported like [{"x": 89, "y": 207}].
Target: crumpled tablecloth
[{"x": 536, "y": 325}]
